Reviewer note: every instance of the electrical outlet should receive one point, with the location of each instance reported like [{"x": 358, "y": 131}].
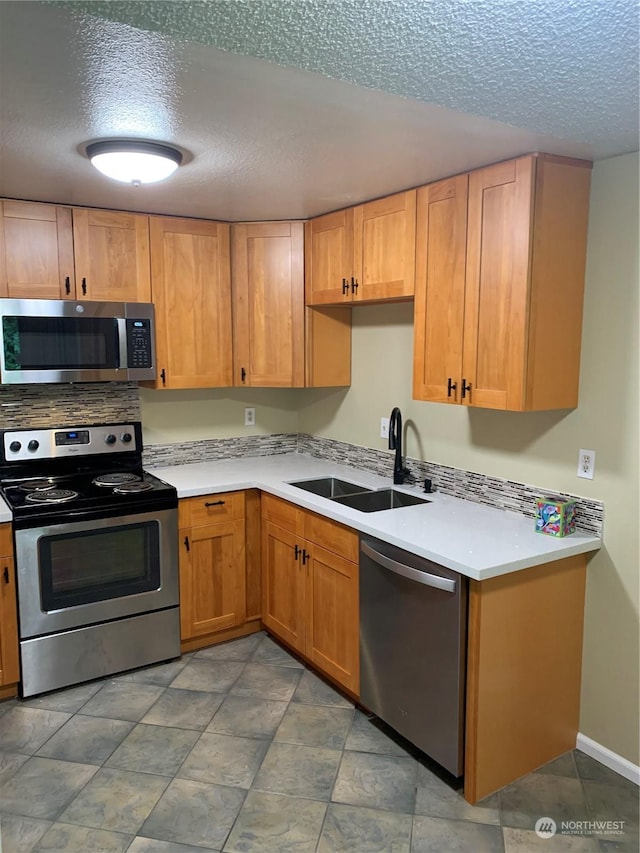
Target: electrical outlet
[
  {"x": 384, "y": 427},
  {"x": 586, "y": 463},
  {"x": 249, "y": 416}
]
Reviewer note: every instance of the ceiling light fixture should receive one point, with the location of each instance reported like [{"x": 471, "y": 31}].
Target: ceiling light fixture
[{"x": 134, "y": 161}]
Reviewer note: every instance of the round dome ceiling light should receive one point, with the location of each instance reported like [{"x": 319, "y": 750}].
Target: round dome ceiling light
[{"x": 134, "y": 162}]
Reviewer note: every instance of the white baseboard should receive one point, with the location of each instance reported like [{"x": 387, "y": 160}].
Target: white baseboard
[{"x": 609, "y": 758}]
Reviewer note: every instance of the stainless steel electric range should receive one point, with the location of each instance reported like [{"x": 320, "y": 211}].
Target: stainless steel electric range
[{"x": 96, "y": 547}]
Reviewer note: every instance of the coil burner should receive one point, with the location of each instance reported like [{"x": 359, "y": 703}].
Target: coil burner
[
  {"x": 51, "y": 496},
  {"x": 38, "y": 484},
  {"x": 132, "y": 488},
  {"x": 118, "y": 478}
]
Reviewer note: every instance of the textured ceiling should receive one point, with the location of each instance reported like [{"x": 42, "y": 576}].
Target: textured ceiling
[
  {"x": 355, "y": 100},
  {"x": 568, "y": 68}
]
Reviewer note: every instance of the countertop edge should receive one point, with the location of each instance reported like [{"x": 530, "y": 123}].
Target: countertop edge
[{"x": 551, "y": 549}]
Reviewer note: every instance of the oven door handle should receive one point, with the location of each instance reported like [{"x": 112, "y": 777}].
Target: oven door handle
[{"x": 187, "y": 544}]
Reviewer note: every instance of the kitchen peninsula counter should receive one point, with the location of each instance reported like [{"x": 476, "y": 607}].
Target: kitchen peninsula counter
[{"x": 478, "y": 541}]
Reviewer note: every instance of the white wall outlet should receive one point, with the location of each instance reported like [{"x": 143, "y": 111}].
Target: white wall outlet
[
  {"x": 586, "y": 463},
  {"x": 384, "y": 427},
  {"x": 249, "y": 416}
]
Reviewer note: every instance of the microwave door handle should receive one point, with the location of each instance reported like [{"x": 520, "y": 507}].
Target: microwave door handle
[
  {"x": 122, "y": 343},
  {"x": 425, "y": 578}
]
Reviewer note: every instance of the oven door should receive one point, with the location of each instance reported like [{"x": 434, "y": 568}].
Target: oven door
[{"x": 85, "y": 572}]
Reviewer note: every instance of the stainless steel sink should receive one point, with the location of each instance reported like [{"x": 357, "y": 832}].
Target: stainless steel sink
[
  {"x": 379, "y": 500},
  {"x": 329, "y": 487}
]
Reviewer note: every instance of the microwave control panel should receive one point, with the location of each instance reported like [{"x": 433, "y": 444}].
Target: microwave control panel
[{"x": 139, "y": 347}]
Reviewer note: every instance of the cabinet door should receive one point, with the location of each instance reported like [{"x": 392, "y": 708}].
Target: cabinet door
[
  {"x": 212, "y": 578},
  {"x": 332, "y": 616},
  {"x": 9, "y": 662},
  {"x": 441, "y": 244},
  {"x": 268, "y": 304},
  {"x": 36, "y": 251},
  {"x": 384, "y": 239},
  {"x": 283, "y": 585},
  {"x": 112, "y": 255},
  {"x": 329, "y": 258},
  {"x": 190, "y": 268},
  {"x": 497, "y": 290}
]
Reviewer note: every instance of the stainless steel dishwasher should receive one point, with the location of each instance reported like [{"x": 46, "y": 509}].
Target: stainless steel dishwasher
[{"x": 413, "y": 626}]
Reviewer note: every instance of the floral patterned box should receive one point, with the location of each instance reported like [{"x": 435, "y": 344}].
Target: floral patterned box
[{"x": 555, "y": 517}]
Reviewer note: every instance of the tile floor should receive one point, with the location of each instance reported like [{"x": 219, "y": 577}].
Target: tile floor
[{"x": 240, "y": 748}]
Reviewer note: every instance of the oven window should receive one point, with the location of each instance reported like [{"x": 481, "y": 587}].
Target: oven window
[
  {"x": 97, "y": 565},
  {"x": 60, "y": 343}
]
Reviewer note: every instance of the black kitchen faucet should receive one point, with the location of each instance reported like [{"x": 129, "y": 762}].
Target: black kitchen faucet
[{"x": 395, "y": 443}]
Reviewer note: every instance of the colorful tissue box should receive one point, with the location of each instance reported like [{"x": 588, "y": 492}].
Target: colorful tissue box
[{"x": 555, "y": 517}]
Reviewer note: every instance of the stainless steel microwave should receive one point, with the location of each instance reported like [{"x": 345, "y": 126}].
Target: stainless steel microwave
[{"x": 50, "y": 340}]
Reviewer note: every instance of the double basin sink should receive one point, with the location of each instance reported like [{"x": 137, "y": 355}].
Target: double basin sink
[{"x": 358, "y": 497}]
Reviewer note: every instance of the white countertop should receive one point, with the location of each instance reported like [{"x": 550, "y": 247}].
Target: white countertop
[
  {"x": 479, "y": 541},
  {"x": 5, "y": 512}
]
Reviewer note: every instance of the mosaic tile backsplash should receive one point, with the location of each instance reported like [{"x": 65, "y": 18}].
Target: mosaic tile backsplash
[
  {"x": 68, "y": 405},
  {"x": 480, "y": 488},
  {"x": 209, "y": 449}
]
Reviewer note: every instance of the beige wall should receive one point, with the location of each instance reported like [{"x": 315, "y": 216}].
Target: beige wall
[
  {"x": 541, "y": 448},
  {"x": 173, "y": 416}
]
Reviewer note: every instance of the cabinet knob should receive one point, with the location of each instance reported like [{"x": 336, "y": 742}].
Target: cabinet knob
[
  {"x": 187, "y": 544},
  {"x": 84, "y": 287},
  {"x": 296, "y": 552},
  {"x": 5, "y": 574},
  {"x": 163, "y": 376},
  {"x": 243, "y": 374},
  {"x": 214, "y": 503},
  {"x": 465, "y": 387},
  {"x": 345, "y": 287},
  {"x": 354, "y": 285},
  {"x": 451, "y": 386},
  {"x": 67, "y": 285}
]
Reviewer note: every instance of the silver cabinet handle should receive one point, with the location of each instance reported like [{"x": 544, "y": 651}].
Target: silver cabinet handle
[{"x": 425, "y": 578}]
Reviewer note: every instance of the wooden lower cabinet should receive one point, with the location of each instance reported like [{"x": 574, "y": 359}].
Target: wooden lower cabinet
[
  {"x": 212, "y": 565},
  {"x": 9, "y": 656},
  {"x": 310, "y": 588},
  {"x": 283, "y": 585},
  {"x": 332, "y": 617},
  {"x": 524, "y": 665}
]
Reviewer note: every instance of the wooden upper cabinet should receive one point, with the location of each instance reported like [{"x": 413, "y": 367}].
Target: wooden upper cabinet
[
  {"x": 268, "y": 304},
  {"x": 523, "y": 287},
  {"x": 191, "y": 290},
  {"x": 36, "y": 251},
  {"x": 50, "y": 251},
  {"x": 384, "y": 240},
  {"x": 363, "y": 254},
  {"x": 329, "y": 258},
  {"x": 440, "y": 286},
  {"x": 111, "y": 255}
]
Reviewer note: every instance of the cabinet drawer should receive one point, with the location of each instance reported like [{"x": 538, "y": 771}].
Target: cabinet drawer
[
  {"x": 332, "y": 536},
  {"x": 282, "y": 513},
  {"x": 209, "y": 509},
  {"x": 6, "y": 540}
]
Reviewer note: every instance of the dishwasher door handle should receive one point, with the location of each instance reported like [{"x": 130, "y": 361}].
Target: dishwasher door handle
[{"x": 425, "y": 578}]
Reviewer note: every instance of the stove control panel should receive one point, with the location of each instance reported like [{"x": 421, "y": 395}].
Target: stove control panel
[{"x": 25, "y": 444}]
